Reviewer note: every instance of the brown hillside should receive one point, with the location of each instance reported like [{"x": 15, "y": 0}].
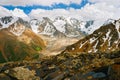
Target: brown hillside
[{"x": 26, "y": 46}]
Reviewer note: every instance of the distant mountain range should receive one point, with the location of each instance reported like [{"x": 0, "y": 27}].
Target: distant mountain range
[{"x": 59, "y": 27}]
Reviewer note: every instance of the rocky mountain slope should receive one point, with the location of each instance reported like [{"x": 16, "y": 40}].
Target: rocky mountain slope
[
  {"x": 65, "y": 66},
  {"x": 18, "y": 42},
  {"x": 104, "y": 39}
]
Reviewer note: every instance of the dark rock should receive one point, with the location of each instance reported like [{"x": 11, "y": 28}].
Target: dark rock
[
  {"x": 99, "y": 75},
  {"x": 114, "y": 72},
  {"x": 4, "y": 77}
]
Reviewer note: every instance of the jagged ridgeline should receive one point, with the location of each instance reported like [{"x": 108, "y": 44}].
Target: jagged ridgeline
[{"x": 19, "y": 42}]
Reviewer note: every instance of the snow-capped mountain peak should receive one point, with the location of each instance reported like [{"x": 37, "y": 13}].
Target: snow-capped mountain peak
[
  {"x": 20, "y": 13},
  {"x": 67, "y": 26},
  {"x": 117, "y": 24},
  {"x": 14, "y": 25},
  {"x": 7, "y": 21},
  {"x": 4, "y": 12},
  {"x": 59, "y": 23},
  {"x": 34, "y": 25}
]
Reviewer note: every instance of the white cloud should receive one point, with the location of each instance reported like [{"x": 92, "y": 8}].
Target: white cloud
[
  {"x": 100, "y": 11},
  {"x": 4, "y": 12},
  {"x": 37, "y": 2},
  {"x": 108, "y": 2},
  {"x": 39, "y": 13},
  {"x": 15, "y": 13},
  {"x": 95, "y": 12},
  {"x": 19, "y": 13}
]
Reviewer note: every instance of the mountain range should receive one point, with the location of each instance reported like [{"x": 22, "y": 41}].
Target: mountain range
[{"x": 58, "y": 27}]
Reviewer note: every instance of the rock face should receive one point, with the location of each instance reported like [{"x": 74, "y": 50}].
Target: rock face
[
  {"x": 65, "y": 66},
  {"x": 105, "y": 39}
]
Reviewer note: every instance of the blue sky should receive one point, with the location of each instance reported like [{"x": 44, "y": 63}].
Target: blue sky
[{"x": 27, "y": 9}]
